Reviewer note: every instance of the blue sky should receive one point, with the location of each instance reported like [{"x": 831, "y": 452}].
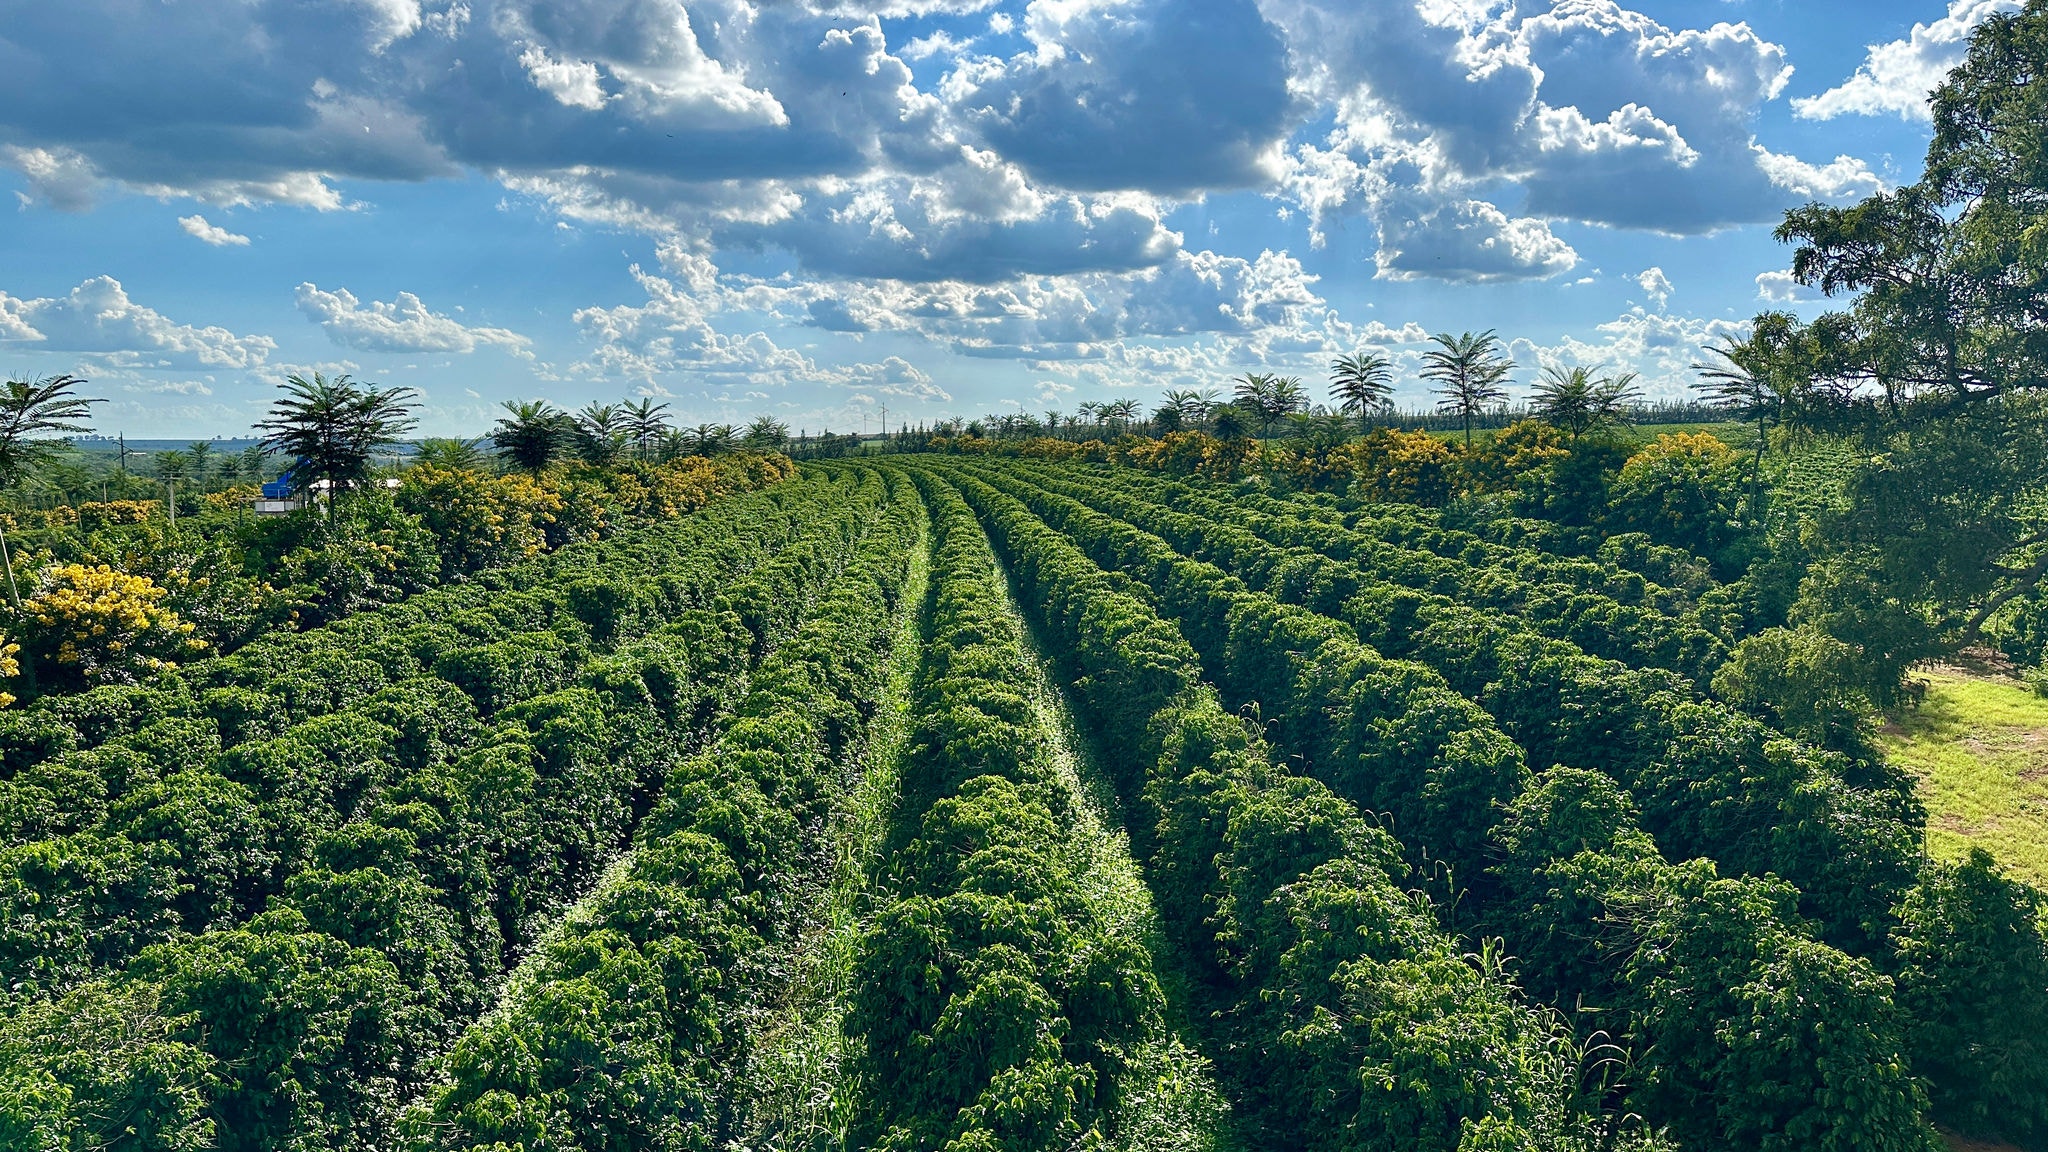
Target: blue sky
[{"x": 825, "y": 209}]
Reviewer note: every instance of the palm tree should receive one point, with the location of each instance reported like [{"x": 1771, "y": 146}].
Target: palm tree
[
  {"x": 333, "y": 427},
  {"x": 251, "y": 463},
  {"x": 1470, "y": 368},
  {"x": 712, "y": 439},
  {"x": 1362, "y": 382},
  {"x": 1266, "y": 398},
  {"x": 601, "y": 433},
  {"x": 647, "y": 421},
  {"x": 1231, "y": 422},
  {"x": 172, "y": 464},
  {"x": 531, "y": 437},
  {"x": 1166, "y": 418},
  {"x": 1253, "y": 393},
  {"x": 452, "y": 453},
  {"x": 1122, "y": 411},
  {"x": 200, "y": 457},
  {"x": 766, "y": 434},
  {"x": 1090, "y": 411},
  {"x": 1182, "y": 402},
  {"x": 1286, "y": 399},
  {"x": 1743, "y": 384},
  {"x": 29, "y": 411},
  {"x": 1575, "y": 402}
]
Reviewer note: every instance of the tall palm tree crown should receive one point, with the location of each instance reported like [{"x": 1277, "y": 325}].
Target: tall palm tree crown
[
  {"x": 1122, "y": 412},
  {"x": 766, "y": 434},
  {"x": 1231, "y": 422},
  {"x": 1266, "y": 397},
  {"x": 1167, "y": 417},
  {"x": 334, "y": 426},
  {"x": 532, "y": 435},
  {"x": 1575, "y": 402},
  {"x": 712, "y": 439},
  {"x": 172, "y": 464},
  {"x": 201, "y": 456},
  {"x": 602, "y": 433},
  {"x": 451, "y": 453},
  {"x": 1362, "y": 383},
  {"x": 30, "y": 410},
  {"x": 250, "y": 464},
  {"x": 646, "y": 421},
  {"x": 1469, "y": 369}
]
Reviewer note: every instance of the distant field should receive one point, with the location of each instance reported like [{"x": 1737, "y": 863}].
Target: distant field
[{"x": 1980, "y": 748}]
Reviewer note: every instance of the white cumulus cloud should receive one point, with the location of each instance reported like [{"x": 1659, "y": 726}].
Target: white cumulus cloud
[
  {"x": 98, "y": 318},
  {"x": 573, "y": 82},
  {"x": 60, "y": 177},
  {"x": 198, "y": 228},
  {"x": 1896, "y": 77},
  {"x": 1781, "y": 288},
  {"x": 1655, "y": 284},
  {"x": 1468, "y": 240},
  {"x": 403, "y": 325}
]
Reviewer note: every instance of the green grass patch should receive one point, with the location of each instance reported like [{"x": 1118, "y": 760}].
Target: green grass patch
[{"x": 1979, "y": 747}]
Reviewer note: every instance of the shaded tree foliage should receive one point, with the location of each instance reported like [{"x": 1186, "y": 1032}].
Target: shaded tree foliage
[{"x": 1935, "y": 367}]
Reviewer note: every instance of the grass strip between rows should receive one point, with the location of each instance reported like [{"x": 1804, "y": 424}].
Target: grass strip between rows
[{"x": 996, "y": 1002}]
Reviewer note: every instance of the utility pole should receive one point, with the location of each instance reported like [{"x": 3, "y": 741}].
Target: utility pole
[{"x": 13, "y": 593}]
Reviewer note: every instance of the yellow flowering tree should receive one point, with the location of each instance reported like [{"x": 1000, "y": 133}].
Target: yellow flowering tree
[
  {"x": 10, "y": 667},
  {"x": 1408, "y": 467},
  {"x": 1191, "y": 454},
  {"x": 90, "y": 625},
  {"x": 1684, "y": 490},
  {"x": 1511, "y": 455},
  {"x": 480, "y": 521}
]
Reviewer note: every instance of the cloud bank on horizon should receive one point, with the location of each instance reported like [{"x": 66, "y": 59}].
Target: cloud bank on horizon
[{"x": 831, "y": 207}]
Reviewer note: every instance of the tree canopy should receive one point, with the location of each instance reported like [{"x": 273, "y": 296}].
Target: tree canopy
[
  {"x": 335, "y": 426},
  {"x": 1362, "y": 384},
  {"x": 1934, "y": 363}
]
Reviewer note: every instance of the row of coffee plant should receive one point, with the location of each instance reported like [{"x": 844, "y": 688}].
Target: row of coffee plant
[
  {"x": 115, "y": 593},
  {"x": 1343, "y": 1016},
  {"x": 1704, "y": 980},
  {"x": 1621, "y": 617},
  {"x": 632, "y": 1024},
  {"x": 265, "y": 946},
  {"x": 288, "y": 677},
  {"x": 1711, "y": 781},
  {"x": 994, "y": 1004},
  {"x": 195, "y": 817}
]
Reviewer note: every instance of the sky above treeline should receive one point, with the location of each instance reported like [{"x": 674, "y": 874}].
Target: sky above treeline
[{"x": 840, "y": 212}]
